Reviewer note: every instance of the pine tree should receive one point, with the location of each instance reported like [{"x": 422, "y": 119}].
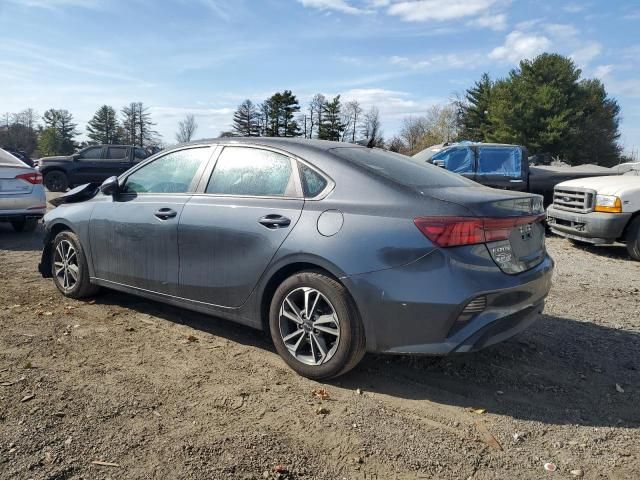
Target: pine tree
[
  {"x": 103, "y": 127},
  {"x": 246, "y": 120},
  {"x": 475, "y": 123},
  {"x": 62, "y": 130},
  {"x": 279, "y": 110},
  {"x": 137, "y": 125},
  {"x": 331, "y": 127}
]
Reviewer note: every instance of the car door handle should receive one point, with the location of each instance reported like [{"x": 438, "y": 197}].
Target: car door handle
[
  {"x": 275, "y": 221},
  {"x": 165, "y": 213}
]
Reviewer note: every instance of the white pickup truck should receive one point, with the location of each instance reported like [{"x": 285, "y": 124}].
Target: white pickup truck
[{"x": 599, "y": 210}]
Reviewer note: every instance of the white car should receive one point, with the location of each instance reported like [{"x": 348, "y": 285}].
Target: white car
[
  {"x": 22, "y": 197},
  {"x": 598, "y": 210}
]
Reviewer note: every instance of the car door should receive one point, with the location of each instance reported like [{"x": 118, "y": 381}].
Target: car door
[
  {"x": 134, "y": 234},
  {"x": 229, "y": 233},
  {"x": 86, "y": 163},
  {"x": 116, "y": 161}
]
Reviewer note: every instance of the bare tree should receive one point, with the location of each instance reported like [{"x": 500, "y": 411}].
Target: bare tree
[
  {"x": 316, "y": 108},
  {"x": 371, "y": 128},
  {"x": 351, "y": 117},
  {"x": 186, "y": 129},
  {"x": 412, "y": 132}
]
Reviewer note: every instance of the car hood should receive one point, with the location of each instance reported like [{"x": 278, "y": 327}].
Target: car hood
[
  {"x": 78, "y": 194},
  {"x": 60, "y": 158},
  {"x": 611, "y": 185}
]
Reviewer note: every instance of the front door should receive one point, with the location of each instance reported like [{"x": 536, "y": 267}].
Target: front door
[
  {"x": 134, "y": 235},
  {"x": 87, "y": 162},
  {"x": 229, "y": 234}
]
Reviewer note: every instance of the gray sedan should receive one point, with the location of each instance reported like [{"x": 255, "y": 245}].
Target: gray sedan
[
  {"x": 334, "y": 249},
  {"x": 22, "y": 197}
]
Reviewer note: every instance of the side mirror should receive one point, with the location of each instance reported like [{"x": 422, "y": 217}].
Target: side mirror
[{"x": 110, "y": 186}]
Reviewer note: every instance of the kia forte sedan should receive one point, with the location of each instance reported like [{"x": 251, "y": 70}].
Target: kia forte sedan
[{"x": 334, "y": 249}]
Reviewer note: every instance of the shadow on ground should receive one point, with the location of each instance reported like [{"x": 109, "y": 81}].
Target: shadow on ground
[
  {"x": 560, "y": 371},
  {"x": 20, "y": 242}
]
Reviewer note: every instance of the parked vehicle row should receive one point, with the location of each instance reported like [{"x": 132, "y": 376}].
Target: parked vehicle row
[
  {"x": 504, "y": 166},
  {"x": 22, "y": 196},
  {"x": 334, "y": 249},
  {"x": 92, "y": 164},
  {"x": 598, "y": 210}
]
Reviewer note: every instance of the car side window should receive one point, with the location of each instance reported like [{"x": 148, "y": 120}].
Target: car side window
[
  {"x": 458, "y": 159},
  {"x": 252, "y": 172},
  {"x": 171, "y": 173},
  {"x": 91, "y": 153},
  {"x": 312, "y": 182},
  {"x": 117, "y": 153},
  {"x": 139, "y": 154}
]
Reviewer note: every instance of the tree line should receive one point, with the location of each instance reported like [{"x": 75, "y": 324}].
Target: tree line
[
  {"x": 281, "y": 115},
  {"x": 544, "y": 104},
  {"x": 57, "y": 133}
]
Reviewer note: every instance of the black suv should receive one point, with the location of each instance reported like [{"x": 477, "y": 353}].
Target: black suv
[{"x": 91, "y": 165}]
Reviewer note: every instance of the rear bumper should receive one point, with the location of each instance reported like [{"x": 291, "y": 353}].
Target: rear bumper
[
  {"x": 593, "y": 227},
  {"x": 8, "y": 215},
  {"x": 418, "y": 308}
]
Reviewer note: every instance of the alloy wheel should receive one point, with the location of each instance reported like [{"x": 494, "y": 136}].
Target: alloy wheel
[
  {"x": 65, "y": 262},
  {"x": 309, "y": 326}
]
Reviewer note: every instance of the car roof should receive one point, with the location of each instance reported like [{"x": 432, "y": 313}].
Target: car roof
[{"x": 302, "y": 147}]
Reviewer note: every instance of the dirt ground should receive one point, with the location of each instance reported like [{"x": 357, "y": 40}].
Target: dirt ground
[{"x": 159, "y": 392}]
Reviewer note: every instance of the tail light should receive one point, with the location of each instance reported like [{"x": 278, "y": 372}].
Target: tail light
[
  {"x": 456, "y": 231},
  {"x": 34, "y": 178}
]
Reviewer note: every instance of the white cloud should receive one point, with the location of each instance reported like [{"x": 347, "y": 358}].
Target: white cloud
[
  {"x": 336, "y": 5},
  {"x": 573, "y": 8},
  {"x": 583, "y": 56},
  {"x": 439, "y": 10},
  {"x": 496, "y": 22},
  {"x": 602, "y": 71},
  {"x": 393, "y": 104},
  {"x": 442, "y": 61},
  {"x": 520, "y": 45},
  {"x": 561, "y": 30}
]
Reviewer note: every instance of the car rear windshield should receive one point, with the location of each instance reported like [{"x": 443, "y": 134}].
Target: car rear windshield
[
  {"x": 7, "y": 159},
  {"x": 399, "y": 168}
]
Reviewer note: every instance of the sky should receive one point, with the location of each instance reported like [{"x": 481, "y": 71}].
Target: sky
[{"x": 206, "y": 56}]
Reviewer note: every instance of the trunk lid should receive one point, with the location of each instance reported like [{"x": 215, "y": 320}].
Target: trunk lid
[{"x": 516, "y": 216}]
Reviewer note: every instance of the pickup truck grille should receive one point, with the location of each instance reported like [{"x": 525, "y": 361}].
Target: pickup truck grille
[{"x": 574, "y": 199}]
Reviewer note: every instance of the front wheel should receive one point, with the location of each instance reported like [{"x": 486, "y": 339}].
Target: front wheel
[
  {"x": 69, "y": 267},
  {"x": 56, "y": 181},
  {"x": 633, "y": 239},
  {"x": 315, "y": 326}
]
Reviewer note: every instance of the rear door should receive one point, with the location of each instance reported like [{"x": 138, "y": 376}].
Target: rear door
[
  {"x": 116, "y": 161},
  {"x": 229, "y": 233},
  {"x": 134, "y": 235},
  {"x": 502, "y": 167}
]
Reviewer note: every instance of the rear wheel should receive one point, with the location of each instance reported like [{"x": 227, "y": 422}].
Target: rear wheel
[
  {"x": 56, "y": 181},
  {"x": 633, "y": 239},
  {"x": 24, "y": 224},
  {"x": 315, "y": 326},
  {"x": 69, "y": 267}
]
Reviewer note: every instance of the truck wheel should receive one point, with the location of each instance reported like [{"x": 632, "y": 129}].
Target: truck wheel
[
  {"x": 24, "y": 224},
  {"x": 633, "y": 239},
  {"x": 56, "y": 181}
]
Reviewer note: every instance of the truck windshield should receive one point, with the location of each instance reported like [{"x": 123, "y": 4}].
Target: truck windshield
[{"x": 503, "y": 161}]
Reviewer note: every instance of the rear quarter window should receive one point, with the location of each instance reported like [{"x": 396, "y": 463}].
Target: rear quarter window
[{"x": 400, "y": 168}]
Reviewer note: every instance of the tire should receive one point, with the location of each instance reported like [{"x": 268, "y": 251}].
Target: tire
[
  {"x": 319, "y": 354},
  {"x": 81, "y": 286},
  {"x": 56, "y": 181},
  {"x": 633, "y": 239},
  {"x": 25, "y": 225}
]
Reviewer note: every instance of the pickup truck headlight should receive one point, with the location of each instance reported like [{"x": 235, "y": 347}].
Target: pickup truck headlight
[{"x": 608, "y": 204}]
